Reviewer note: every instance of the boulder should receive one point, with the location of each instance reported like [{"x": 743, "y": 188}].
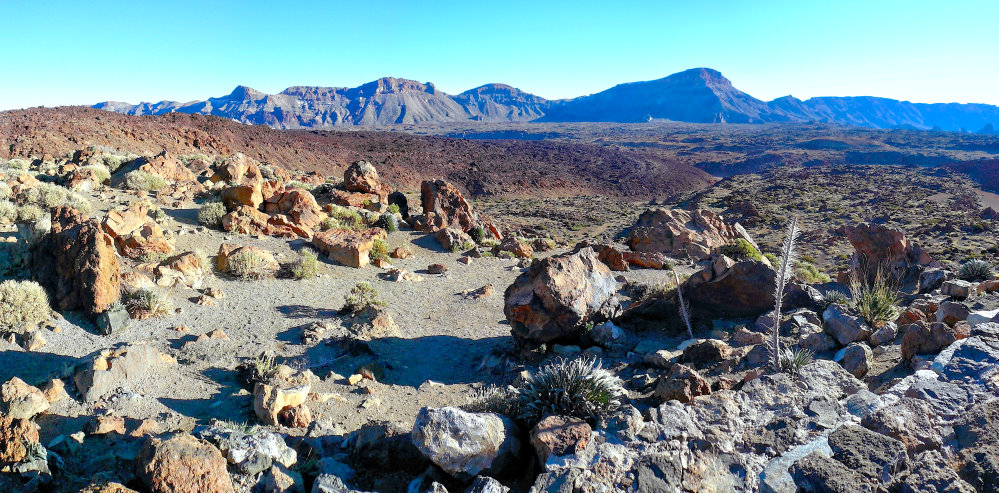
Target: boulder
[
  {"x": 558, "y": 436},
  {"x": 924, "y": 338},
  {"x": 516, "y": 247},
  {"x": 706, "y": 352},
  {"x": 447, "y": 205},
  {"x": 167, "y": 167},
  {"x": 910, "y": 421},
  {"x": 348, "y": 247},
  {"x": 387, "y": 446},
  {"x": 957, "y": 288},
  {"x": 118, "y": 223},
  {"x": 362, "y": 177},
  {"x": 182, "y": 464},
  {"x": 242, "y": 195},
  {"x": 743, "y": 289},
  {"x": 682, "y": 384},
  {"x": 453, "y": 239},
  {"x": 286, "y": 391},
  {"x": 250, "y": 453},
  {"x": 947, "y": 399},
  {"x": 818, "y": 473},
  {"x": 145, "y": 241},
  {"x": 238, "y": 169},
  {"x": 186, "y": 269},
  {"x": 17, "y": 435},
  {"x": 844, "y": 326},
  {"x": 856, "y": 358},
  {"x": 466, "y": 444},
  {"x": 879, "y": 245},
  {"x": 876, "y": 457},
  {"x": 932, "y": 279},
  {"x": 115, "y": 368},
  {"x": 22, "y": 401},
  {"x": 78, "y": 263},
  {"x": 931, "y": 473},
  {"x": 556, "y": 296},
  {"x": 301, "y": 207},
  {"x": 678, "y": 233}
]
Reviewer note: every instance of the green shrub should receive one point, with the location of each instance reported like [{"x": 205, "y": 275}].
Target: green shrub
[
  {"x": 388, "y": 222},
  {"x": 16, "y": 163},
  {"x": 100, "y": 173},
  {"x": 5, "y": 192},
  {"x": 210, "y": 214},
  {"x": 976, "y": 270},
  {"x": 493, "y": 399},
  {"x": 361, "y": 296},
  {"x": 29, "y": 213},
  {"x": 741, "y": 249},
  {"x": 837, "y": 298},
  {"x": 807, "y": 272},
  {"x": 478, "y": 233},
  {"x": 793, "y": 360},
  {"x": 298, "y": 184},
  {"x": 875, "y": 299},
  {"x": 257, "y": 370},
  {"x": 140, "y": 180},
  {"x": 646, "y": 291},
  {"x": 579, "y": 388},
  {"x": 379, "y": 250},
  {"x": 307, "y": 265},
  {"x": 147, "y": 302},
  {"x": 8, "y": 211},
  {"x": 247, "y": 264},
  {"x": 393, "y": 208},
  {"x": 23, "y": 305},
  {"x": 344, "y": 218},
  {"x": 49, "y": 195}
]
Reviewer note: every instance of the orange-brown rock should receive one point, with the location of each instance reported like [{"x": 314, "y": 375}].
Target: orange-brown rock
[
  {"x": 78, "y": 263},
  {"x": 84, "y": 180},
  {"x": 15, "y": 436},
  {"x": 145, "y": 241},
  {"x": 272, "y": 191},
  {"x": 107, "y": 488},
  {"x": 242, "y": 195},
  {"x": 187, "y": 269},
  {"x": 678, "y": 233},
  {"x": 302, "y": 207},
  {"x": 238, "y": 169},
  {"x": 445, "y": 206},
  {"x": 518, "y": 248},
  {"x": 401, "y": 253},
  {"x": 182, "y": 464},
  {"x": 883, "y": 247},
  {"x": 363, "y": 177},
  {"x": 167, "y": 167},
  {"x": 119, "y": 223},
  {"x": 353, "y": 199},
  {"x": 249, "y": 221},
  {"x": 346, "y": 246},
  {"x": 280, "y": 224}
]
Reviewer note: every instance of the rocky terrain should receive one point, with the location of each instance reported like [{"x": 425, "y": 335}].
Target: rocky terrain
[
  {"x": 193, "y": 305},
  {"x": 699, "y": 95}
]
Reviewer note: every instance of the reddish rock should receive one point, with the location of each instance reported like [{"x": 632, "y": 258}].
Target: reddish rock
[
  {"x": 78, "y": 263},
  {"x": 348, "y": 247},
  {"x": 15, "y": 436},
  {"x": 401, "y": 253},
  {"x": 612, "y": 257},
  {"x": 182, "y": 464},
  {"x": 706, "y": 352},
  {"x": 242, "y": 195},
  {"x": 187, "y": 269},
  {"x": 272, "y": 191},
  {"x": 646, "y": 260},
  {"x": 363, "y": 177},
  {"x": 301, "y": 206},
  {"x": 518, "y": 248},
  {"x": 923, "y": 338},
  {"x": 558, "y": 295},
  {"x": 238, "y": 169},
  {"x": 910, "y": 316},
  {"x": 453, "y": 239},
  {"x": 447, "y": 205},
  {"x": 682, "y": 383},
  {"x": 145, "y": 241},
  {"x": 352, "y": 199},
  {"x": 295, "y": 416},
  {"x": 559, "y": 436},
  {"x": 436, "y": 269},
  {"x": 167, "y": 167},
  {"x": 876, "y": 244},
  {"x": 678, "y": 233}
]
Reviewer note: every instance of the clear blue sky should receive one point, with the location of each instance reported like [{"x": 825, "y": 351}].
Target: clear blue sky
[{"x": 74, "y": 52}]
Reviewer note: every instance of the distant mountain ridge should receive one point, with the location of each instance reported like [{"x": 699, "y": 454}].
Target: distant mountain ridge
[{"x": 700, "y": 95}]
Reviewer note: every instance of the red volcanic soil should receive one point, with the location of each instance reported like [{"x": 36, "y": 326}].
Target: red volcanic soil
[{"x": 507, "y": 168}]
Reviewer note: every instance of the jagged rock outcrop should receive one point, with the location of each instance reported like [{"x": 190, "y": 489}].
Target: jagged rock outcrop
[
  {"x": 77, "y": 262},
  {"x": 684, "y": 234}
]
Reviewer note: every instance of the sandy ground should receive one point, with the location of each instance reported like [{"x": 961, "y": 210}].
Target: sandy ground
[{"x": 448, "y": 345}]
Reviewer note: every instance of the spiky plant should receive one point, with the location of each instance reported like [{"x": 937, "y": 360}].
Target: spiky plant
[
  {"x": 786, "y": 262},
  {"x": 875, "y": 298},
  {"x": 578, "y": 387},
  {"x": 975, "y": 270},
  {"x": 684, "y": 309},
  {"x": 793, "y": 360}
]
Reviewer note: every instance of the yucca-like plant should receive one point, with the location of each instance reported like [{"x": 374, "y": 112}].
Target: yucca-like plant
[
  {"x": 787, "y": 260},
  {"x": 578, "y": 387},
  {"x": 975, "y": 270},
  {"x": 793, "y": 360},
  {"x": 684, "y": 309}
]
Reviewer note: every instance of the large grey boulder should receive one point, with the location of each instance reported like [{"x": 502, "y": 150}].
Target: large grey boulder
[
  {"x": 843, "y": 326},
  {"x": 466, "y": 444}
]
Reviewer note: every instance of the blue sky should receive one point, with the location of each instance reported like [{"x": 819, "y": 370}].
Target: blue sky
[{"x": 85, "y": 52}]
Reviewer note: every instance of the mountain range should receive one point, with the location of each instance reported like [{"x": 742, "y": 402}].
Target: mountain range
[{"x": 699, "y": 95}]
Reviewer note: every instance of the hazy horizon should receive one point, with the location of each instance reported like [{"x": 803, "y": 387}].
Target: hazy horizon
[{"x": 80, "y": 54}]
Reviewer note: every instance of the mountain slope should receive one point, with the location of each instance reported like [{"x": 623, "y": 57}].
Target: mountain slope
[{"x": 700, "y": 95}]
